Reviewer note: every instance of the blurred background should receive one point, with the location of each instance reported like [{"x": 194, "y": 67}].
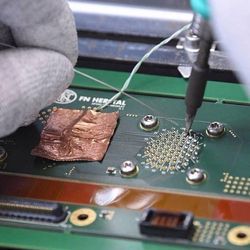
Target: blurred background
[{"x": 115, "y": 34}]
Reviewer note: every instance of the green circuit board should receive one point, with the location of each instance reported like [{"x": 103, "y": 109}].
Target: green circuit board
[
  {"x": 123, "y": 224},
  {"x": 223, "y": 160}
]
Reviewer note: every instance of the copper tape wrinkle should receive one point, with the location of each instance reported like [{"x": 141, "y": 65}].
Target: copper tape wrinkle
[{"x": 75, "y": 135}]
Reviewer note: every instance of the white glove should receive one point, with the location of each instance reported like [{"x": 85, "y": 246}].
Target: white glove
[
  {"x": 34, "y": 74},
  {"x": 230, "y": 21}
]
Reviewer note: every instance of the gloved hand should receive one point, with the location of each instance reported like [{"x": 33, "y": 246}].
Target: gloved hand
[
  {"x": 34, "y": 74},
  {"x": 230, "y": 21}
]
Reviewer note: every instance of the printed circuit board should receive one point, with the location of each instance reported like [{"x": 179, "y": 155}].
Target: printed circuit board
[{"x": 151, "y": 162}]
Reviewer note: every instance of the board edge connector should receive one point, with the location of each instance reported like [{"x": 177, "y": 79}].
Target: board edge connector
[{"x": 30, "y": 211}]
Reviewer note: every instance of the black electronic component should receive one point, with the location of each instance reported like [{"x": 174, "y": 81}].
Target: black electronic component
[
  {"x": 31, "y": 210},
  {"x": 167, "y": 224}
]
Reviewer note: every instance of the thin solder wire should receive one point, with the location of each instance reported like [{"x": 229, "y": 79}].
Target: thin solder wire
[
  {"x": 127, "y": 82},
  {"x": 7, "y": 45},
  {"x": 98, "y": 81},
  {"x": 144, "y": 58},
  {"x": 113, "y": 88},
  {"x": 156, "y": 112}
]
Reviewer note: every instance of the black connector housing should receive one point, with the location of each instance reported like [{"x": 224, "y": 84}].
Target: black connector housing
[
  {"x": 166, "y": 224},
  {"x": 27, "y": 210}
]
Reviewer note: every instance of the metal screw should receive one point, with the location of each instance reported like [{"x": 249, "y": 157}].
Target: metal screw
[
  {"x": 128, "y": 169},
  {"x": 3, "y": 154},
  {"x": 192, "y": 42},
  {"x": 215, "y": 129},
  {"x": 149, "y": 122},
  {"x": 196, "y": 175}
]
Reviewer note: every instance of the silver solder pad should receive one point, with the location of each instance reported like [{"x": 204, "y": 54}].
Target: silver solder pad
[{"x": 171, "y": 150}]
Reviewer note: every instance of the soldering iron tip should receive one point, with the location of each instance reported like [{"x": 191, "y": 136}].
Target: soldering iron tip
[{"x": 188, "y": 122}]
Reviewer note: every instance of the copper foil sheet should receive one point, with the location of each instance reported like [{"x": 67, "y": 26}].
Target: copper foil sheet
[{"x": 74, "y": 135}]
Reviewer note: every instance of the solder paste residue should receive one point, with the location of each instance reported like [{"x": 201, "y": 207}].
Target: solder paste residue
[{"x": 171, "y": 150}]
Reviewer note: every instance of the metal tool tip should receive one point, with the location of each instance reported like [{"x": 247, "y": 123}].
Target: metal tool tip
[{"x": 188, "y": 122}]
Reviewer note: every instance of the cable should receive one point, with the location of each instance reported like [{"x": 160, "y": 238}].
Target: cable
[
  {"x": 7, "y": 45},
  {"x": 133, "y": 72},
  {"x": 111, "y": 87},
  {"x": 156, "y": 112},
  {"x": 145, "y": 57}
]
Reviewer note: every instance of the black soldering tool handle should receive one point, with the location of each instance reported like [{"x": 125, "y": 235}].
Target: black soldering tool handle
[{"x": 198, "y": 78}]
